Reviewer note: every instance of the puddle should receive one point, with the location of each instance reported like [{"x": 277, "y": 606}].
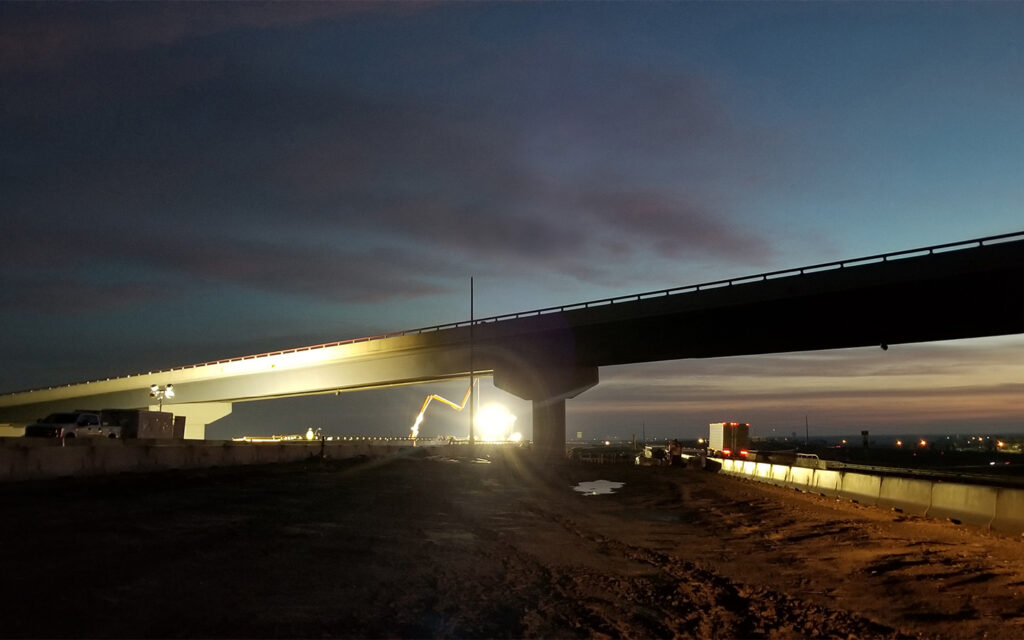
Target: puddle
[
  {"x": 447, "y": 459},
  {"x": 597, "y": 487}
]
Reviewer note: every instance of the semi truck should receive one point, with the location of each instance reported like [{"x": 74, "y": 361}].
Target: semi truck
[{"x": 729, "y": 439}]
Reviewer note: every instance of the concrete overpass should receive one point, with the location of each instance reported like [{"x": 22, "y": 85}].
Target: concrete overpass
[{"x": 958, "y": 290}]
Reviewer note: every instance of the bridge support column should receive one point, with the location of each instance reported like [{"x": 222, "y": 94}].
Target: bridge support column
[
  {"x": 549, "y": 427},
  {"x": 548, "y": 388},
  {"x": 197, "y": 416}
]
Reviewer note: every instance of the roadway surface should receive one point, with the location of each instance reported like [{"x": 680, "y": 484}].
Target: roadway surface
[{"x": 418, "y": 547}]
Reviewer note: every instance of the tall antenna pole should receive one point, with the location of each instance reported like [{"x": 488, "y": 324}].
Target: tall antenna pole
[{"x": 472, "y": 370}]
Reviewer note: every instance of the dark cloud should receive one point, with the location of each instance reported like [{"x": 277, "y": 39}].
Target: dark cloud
[
  {"x": 287, "y": 152},
  {"x": 321, "y": 271},
  {"x": 70, "y": 294},
  {"x": 50, "y": 34},
  {"x": 674, "y": 228}
]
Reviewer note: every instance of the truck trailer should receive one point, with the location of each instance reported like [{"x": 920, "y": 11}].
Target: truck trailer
[
  {"x": 141, "y": 423},
  {"x": 729, "y": 438}
]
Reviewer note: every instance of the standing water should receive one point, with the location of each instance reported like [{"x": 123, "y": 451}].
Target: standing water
[{"x": 597, "y": 487}]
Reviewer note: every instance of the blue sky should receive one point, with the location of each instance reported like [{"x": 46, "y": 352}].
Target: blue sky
[{"x": 188, "y": 181}]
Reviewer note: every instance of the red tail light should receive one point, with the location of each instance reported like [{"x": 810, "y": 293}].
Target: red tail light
[
  {"x": 726, "y": 453},
  {"x": 744, "y": 453}
]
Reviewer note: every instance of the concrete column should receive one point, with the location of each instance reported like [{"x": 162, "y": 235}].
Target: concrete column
[
  {"x": 549, "y": 428},
  {"x": 548, "y": 386},
  {"x": 197, "y": 416}
]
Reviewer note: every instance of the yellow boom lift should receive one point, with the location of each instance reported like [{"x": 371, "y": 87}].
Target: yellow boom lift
[{"x": 415, "y": 431}]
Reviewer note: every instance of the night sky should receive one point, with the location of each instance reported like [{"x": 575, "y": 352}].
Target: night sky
[{"x": 186, "y": 182}]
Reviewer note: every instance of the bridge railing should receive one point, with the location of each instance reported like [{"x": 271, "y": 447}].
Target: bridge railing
[{"x": 714, "y": 284}]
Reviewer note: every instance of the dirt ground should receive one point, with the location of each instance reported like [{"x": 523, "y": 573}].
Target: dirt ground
[{"x": 429, "y": 546}]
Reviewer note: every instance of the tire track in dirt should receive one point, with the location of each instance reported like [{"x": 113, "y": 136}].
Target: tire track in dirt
[
  {"x": 677, "y": 598},
  {"x": 934, "y": 578}
]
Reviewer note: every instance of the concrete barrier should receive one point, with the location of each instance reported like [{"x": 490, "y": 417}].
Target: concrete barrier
[
  {"x": 860, "y": 487},
  {"x": 906, "y": 494},
  {"x": 14, "y": 462},
  {"x": 762, "y": 471},
  {"x": 1009, "y": 515},
  {"x": 160, "y": 457},
  {"x": 963, "y": 503},
  {"x": 115, "y": 460},
  {"x": 800, "y": 478},
  {"x": 826, "y": 482},
  {"x": 32, "y": 458},
  {"x": 208, "y": 455},
  {"x": 1001, "y": 509},
  {"x": 779, "y": 475},
  {"x": 8, "y": 460},
  {"x": 61, "y": 461}
]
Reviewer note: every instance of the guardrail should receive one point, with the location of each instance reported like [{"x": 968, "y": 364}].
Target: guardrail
[{"x": 714, "y": 284}]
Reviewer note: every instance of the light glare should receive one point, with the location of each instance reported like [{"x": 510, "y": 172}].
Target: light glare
[{"x": 494, "y": 422}]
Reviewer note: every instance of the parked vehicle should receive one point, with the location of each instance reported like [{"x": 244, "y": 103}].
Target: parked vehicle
[
  {"x": 72, "y": 424},
  {"x": 652, "y": 456},
  {"x": 109, "y": 423}
]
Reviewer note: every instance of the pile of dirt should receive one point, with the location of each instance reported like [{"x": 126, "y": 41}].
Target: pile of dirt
[{"x": 430, "y": 546}]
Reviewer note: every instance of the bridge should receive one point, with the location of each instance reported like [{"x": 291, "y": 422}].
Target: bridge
[{"x": 957, "y": 290}]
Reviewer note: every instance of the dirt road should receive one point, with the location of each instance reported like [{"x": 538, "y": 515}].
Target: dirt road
[{"x": 432, "y": 547}]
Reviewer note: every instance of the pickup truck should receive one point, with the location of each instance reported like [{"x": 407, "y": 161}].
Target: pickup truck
[
  {"x": 71, "y": 424},
  {"x": 652, "y": 457}
]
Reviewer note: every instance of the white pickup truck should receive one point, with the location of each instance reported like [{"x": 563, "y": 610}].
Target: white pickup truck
[{"x": 71, "y": 424}]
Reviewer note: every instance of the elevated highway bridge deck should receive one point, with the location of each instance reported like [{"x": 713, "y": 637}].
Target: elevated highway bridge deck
[{"x": 958, "y": 290}]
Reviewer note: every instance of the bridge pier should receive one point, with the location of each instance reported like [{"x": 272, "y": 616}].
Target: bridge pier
[
  {"x": 197, "y": 416},
  {"x": 548, "y": 387},
  {"x": 549, "y": 427}
]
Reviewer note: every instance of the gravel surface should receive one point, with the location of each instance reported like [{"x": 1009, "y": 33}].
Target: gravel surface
[{"x": 429, "y": 545}]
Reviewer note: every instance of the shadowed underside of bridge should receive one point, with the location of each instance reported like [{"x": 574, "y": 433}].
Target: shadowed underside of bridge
[{"x": 553, "y": 356}]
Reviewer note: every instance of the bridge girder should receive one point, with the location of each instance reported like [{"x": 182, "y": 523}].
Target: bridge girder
[{"x": 553, "y": 356}]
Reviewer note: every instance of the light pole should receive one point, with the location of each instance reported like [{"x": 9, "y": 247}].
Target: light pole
[{"x": 160, "y": 392}]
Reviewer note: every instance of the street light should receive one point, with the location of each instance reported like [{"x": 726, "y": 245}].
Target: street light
[{"x": 160, "y": 392}]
